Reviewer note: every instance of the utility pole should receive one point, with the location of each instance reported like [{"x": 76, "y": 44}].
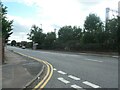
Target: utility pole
[
  {"x": 107, "y": 15},
  {"x": 107, "y": 18},
  {"x": 55, "y": 31}
]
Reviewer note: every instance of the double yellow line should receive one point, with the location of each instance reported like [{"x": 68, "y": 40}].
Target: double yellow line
[{"x": 48, "y": 75}]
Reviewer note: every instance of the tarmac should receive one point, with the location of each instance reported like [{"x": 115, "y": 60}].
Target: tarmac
[{"x": 18, "y": 71}]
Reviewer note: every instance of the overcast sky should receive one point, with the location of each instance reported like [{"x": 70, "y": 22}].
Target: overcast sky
[{"x": 53, "y": 14}]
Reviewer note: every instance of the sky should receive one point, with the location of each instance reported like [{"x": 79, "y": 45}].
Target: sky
[{"x": 53, "y": 14}]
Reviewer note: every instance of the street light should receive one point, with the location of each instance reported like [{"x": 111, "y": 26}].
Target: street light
[{"x": 41, "y": 26}]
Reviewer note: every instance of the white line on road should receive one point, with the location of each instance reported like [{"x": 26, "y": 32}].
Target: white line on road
[
  {"x": 91, "y": 84},
  {"x": 75, "y": 86},
  {"x": 61, "y": 72},
  {"x": 63, "y": 80},
  {"x": 73, "y": 77},
  {"x": 93, "y": 60},
  {"x": 54, "y": 69}
]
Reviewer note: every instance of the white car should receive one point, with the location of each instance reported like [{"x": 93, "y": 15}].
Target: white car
[{"x": 23, "y": 47}]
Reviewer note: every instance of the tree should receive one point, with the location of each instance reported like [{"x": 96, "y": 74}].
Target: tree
[
  {"x": 6, "y": 26},
  {"x": 18, "y": 44},
  {"x": 92, "y": 23},
  {"x": 112, "y": 28},
  {"x": 118, "y": 35},
  {"x": 13, "y": 43},
  {"x": 65, "y": 34},
  {"x": 49, "y": 40},
  {"x": 69, "y": 37},
  {"x": 77, "y": 33},
  {"x": 93, "y": 28},
  {"x": 36, "y": 35}
]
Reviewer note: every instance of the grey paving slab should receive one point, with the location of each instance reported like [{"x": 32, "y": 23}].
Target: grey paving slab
[{"x": 18, "y": 70}]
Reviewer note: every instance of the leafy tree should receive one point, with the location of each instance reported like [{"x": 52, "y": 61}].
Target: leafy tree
[
  {"x": 18, "y": 44},
  {"x": 33, "y": 31},
  {"x": 13, "y": 43},
  {"x": 36, "y": 35},
  {"x": 65, "y": 34},
  {"x": 49, "y": 40},
  {"x": 6, "y": 24},
  {"x": 69, "y": 37},
  {"x": 6, "y": 27},
  {"x": 88, "y": 38},
  {"x": 92, "y": 23},
  {"x": 77, "y": 33},
  {"x": 23, "y": 43},
  {"x": 93, "y": 28},
  {"x": 101, "y": 37},
  {"x": 118, "y": 35},
  {"x": 112, "y": 28},
  {"x": 92, "y": 37}
]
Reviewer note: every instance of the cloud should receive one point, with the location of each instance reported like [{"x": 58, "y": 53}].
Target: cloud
[
  {"x": 21, "y": 27},
  {"x": 21, "y": 36},
  {"x": 60, "y": 12},
  {"x": 57, "y": 13},
  {"x": 70, "y": 12},
  {"x": 100, "y": 8}
]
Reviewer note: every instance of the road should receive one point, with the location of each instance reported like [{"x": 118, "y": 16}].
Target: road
[{"x": 77, "y": 71}]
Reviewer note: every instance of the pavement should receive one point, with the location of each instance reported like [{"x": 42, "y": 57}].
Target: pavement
[
  {"x": 18, "y": 71},
  {"x": 0, "y": 77},
  {"x": 82, "y": 71}
]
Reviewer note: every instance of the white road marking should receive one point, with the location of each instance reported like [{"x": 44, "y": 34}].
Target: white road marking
[
  {"x": 93, "y": 60},
  {"x": 91, "y": 84},
  {"x": 54, "y": 69},
  {"x": 63, "y": 80},
  {"x": 75, "y": 86},
  {"x": 38, "y": 77},
  {"x": 61, "y": 72},
  {"x": 73, "y": 77},
  {"x": 115, "y": 56}
]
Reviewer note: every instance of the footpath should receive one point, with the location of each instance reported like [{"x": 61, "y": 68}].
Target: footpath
[{"x": 18, "y": 71}]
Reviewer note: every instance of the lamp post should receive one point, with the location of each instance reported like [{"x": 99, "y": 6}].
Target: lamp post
[
  {"x": 41, "y": 26},
  {"x": 55, "y": 31}
]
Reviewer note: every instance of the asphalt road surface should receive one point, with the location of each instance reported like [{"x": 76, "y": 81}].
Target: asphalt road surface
[{"x": 77, "y": 71}]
